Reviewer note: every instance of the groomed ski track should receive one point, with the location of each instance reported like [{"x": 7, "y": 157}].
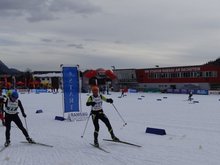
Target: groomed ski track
[{"x": 192, "y": 132}]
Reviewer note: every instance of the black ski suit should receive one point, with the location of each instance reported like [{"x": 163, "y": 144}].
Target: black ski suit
[
  {"x": 97, "y": 113},
  {"x": 2, "y": 109},
  {"x": 9, "y": 117}
]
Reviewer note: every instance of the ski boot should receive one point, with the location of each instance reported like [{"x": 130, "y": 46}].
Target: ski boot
[
  {"x": 96, "y": 143},
  {"x": 7, "y": 143},
  {"x": 115, "y": 139},
  {"x": 29, "y": 140}
]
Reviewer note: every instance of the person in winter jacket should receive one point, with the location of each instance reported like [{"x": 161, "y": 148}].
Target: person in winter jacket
[
  {"x": 11, "y": 114},
  {"x": 2, "y": 101},
  {"x": 95, "y": 101}
]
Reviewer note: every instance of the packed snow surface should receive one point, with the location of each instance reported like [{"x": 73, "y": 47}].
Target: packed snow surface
[{"x": 192, "y": 132}]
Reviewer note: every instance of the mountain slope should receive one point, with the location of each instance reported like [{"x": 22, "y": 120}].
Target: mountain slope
[{"x": 5, "y": 70}]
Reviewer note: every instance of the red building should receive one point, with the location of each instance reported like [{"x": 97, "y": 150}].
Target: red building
[{"x": 182, "y": 77}]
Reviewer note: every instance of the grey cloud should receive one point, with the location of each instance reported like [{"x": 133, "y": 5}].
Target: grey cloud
[
  {"x": 38, "y": 10},
  {"x": 156, "y": 32},
  {"x": 46, "y": 40},
  {"x": 77, "y": 6},
  {"x": 78, "y": 46},
  {"x": 53, "y": 41},
  {"x": 60, "y": 41},
  {"x": 118, "y": 42},
  {"x": 5, "y": 42}
]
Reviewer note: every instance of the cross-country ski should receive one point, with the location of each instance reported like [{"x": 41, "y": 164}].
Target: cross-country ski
[
  {"x": 124, "y": 142},
  {"x": 37, "y": 143},
  {"x": 100, "y": 148}
]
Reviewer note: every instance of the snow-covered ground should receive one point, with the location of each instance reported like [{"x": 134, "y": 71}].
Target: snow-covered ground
[{"x": 193, "y": 132}]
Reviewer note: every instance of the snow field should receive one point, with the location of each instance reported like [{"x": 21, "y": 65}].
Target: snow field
[{"x": 193, "y": 131}]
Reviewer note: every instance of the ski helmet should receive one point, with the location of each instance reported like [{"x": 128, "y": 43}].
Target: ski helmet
[
  {"x": 14, "y": 94},
  {"x": 9, "y": 92},
  {"x": 95, "y": 88}
]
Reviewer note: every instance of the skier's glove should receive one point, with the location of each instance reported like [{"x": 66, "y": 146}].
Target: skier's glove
[
  {"x": 109, "y": 101},
  {"x": 24, "y": 115},
  {"x": 91, "y": 103}
]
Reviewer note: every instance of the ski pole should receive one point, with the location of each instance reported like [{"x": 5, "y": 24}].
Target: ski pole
[
  {"x": 26, "y": 124},
  {"x": 85, "y": 126},
  {"x": 119, "y": 115}
]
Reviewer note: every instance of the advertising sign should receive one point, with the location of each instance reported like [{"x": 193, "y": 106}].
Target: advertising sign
[{"x": 71, "y": 89}]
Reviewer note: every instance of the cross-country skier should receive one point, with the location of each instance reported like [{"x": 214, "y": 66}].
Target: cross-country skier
[
  {"x": 11, "y": 114},
  {"x": 95, "y": 100},
  {"x": 190, "y": 96},
  {"x": 122, "y": 92},
  {"x": 2, "y": 100}
]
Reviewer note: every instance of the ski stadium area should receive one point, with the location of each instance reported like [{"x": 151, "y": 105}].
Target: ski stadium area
[{"x": 192, "y": 131}]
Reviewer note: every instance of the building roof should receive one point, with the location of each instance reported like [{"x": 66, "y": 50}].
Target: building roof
[{"x": 48, "y": 75}]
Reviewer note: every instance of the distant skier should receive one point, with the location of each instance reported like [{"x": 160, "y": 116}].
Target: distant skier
[
  {"x": 95, "y": 100},
  {"x": 190, "y": 96},
  {"x": 107, "y": 90},
  {"x": 11, "y": 114},
  {"x": 122, "y": 92}
]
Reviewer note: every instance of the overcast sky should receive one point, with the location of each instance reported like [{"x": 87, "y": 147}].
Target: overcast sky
[{"x": 42, "y": 34}]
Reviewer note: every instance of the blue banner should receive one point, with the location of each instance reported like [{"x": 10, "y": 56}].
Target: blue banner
[
  {"x": 186, "y": 91},
  {"x": 202, "y": 92},
  {"x": 71, "y": 89},
  {"x": 41, "y": 91}
]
